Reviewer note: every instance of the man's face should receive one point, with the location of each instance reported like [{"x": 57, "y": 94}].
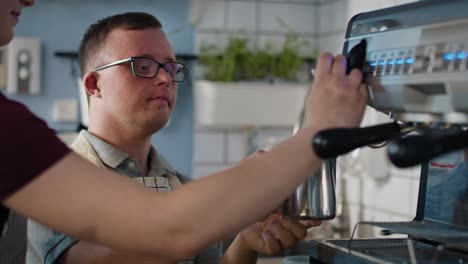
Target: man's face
[
  {"x": 10, "y": 11},
  {"x": 141, "y": 104}
]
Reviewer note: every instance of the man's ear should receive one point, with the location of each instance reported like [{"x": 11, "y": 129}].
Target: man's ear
[{"x": 90, "y": 83}]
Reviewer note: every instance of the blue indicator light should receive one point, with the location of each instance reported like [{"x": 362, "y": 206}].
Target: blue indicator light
[
  {"x": 409, "y": 60},
  {"x": 390, "y": 62},
  {"x": 449, "y": 56},
  {"x": 461, "y": 55},
  {"x": 381, "y": 63},
  {"x": 399, "y": 61},
  {"x": 373, "y": 63}
]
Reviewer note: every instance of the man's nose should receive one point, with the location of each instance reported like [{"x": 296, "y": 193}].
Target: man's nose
[{"x": 164, "y": 76}]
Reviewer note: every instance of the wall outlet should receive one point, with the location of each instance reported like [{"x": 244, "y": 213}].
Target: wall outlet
[{"x": 23, "y": 63}]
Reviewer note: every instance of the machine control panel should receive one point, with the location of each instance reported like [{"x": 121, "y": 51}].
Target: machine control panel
[
  {"x": 418, "y": 73},
  {"x": 422, "y": 59}
]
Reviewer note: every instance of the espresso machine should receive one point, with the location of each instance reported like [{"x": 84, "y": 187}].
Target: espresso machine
[{"x": 415, "y": 61}]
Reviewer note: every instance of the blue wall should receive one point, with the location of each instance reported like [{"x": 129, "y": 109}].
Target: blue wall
[{"x": 61, "y": 24}]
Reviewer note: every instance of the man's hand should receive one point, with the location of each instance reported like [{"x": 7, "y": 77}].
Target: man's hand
[
  {"x": 267, "y": 237},
  {"x": 335, "y": 99},
  {"x": 274, "y": 234}
]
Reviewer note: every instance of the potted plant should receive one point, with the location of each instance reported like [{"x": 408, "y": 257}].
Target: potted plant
[{"x": 249, "y": 87}]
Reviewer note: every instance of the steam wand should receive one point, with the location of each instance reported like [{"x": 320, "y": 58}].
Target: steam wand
[
  {"x": 415, "y": 149},
  {"x": 338, "y": 141}
]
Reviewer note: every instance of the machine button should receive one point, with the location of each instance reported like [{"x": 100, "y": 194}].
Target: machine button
[
  {"x": 439, "y": 63},
  {"x": 370, "y": 69},
  {"x": 421, "y": 64},
  {"x": 398, "y": 65},
  {"x": 460, "y": 59},
  {"x": 408, "y": 65},
  {"x": 389, "y": 67},
  {"x": 380, "y": 67}
]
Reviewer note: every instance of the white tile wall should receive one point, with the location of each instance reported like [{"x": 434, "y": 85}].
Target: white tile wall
[
  {"x": 331, "y": 43},
  {"x": 262, "y": 19},
  {"x": 391, "y": 195},
  {"x": 203, "y": 39},
  {"x": 338, "y": 20},
  {"x": 287, "y": 17},
  {"x": 217, "y": 149},
  {"x": 393, "y": 199},
  {"x": 241, "y": 16},
  {"x": 213, "y": 15},
  {"x": 236, "y": 146},
  {"x": 413, "y": 195},
  {"x": 201, "y": 171},
  {"x": 354, "y": 192},
  {"x": 412, "y": 172},
  {"x": 266, "y": 138},
  {"x": 332, "y": 25},
  {"x": 209, "y": 147},
  {"x": 324, "y": 12},
  {"x": 359, "y": 6},
  {"x": 276, "y": 43}
]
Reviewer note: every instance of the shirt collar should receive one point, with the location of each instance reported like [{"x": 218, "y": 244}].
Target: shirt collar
[
  {"x": 159, "y": 164},
  {"x": 113, "y": 157},
  {"x": 108, "y": 154}
]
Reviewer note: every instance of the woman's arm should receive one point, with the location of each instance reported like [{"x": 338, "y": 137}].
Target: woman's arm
[{"x": 75, "y": 197}]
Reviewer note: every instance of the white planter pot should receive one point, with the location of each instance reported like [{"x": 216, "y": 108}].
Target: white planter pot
[{"x": 229, "y": 105}]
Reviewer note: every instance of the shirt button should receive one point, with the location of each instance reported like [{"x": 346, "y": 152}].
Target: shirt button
[{"x": 131, "y": 165}]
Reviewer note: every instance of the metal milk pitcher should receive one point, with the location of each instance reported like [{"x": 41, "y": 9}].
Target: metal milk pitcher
[{"x": 315, "y": 198}]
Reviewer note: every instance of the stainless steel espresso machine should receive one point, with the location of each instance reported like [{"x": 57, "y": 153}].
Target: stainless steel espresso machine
[{"x": 415, "y": 59}]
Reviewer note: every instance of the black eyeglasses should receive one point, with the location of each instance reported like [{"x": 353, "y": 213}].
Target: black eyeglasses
[{"x": 144, "y": 67}]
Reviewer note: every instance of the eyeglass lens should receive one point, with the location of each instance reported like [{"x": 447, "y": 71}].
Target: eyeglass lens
[{"x": 148, "y": 68}]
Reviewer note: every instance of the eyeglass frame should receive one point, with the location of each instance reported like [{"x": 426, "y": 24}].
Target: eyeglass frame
[{"x": 132, "y": 59}]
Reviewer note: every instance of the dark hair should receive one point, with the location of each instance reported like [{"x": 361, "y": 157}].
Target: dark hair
[{"x": 98, "y": 32}]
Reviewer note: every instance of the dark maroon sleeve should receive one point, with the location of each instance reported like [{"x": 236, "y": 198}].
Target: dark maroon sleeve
[{"x": 27, "y": 146}]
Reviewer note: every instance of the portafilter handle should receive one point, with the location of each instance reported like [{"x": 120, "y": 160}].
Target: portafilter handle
[
  {"x": 333, "y": 142},
  {"x": 415, "y": 149}
]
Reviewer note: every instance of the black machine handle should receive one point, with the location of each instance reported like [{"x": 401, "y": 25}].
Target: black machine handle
[
  {"x": 413, "y": 150},
  {"x": 356, "y": 57},
  {"x": 331, "y": 143}
]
